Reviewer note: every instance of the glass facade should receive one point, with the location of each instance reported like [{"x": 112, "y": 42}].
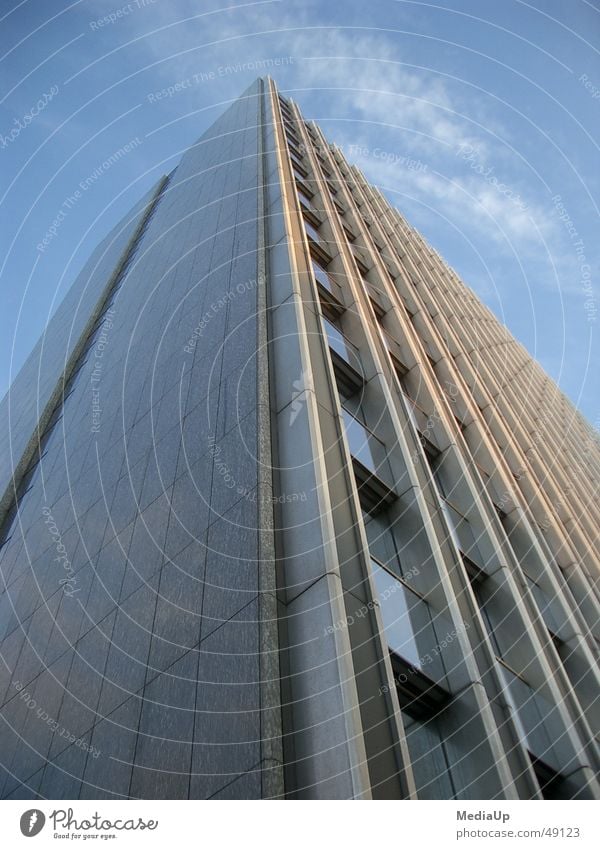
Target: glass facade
[{"x": 129, "y": 578}]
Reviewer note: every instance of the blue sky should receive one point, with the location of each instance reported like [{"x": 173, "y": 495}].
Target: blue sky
[{"x": 472, "y": 117}]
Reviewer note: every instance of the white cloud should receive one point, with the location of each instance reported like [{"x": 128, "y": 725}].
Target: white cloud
[{"x": 368, "y": 96}]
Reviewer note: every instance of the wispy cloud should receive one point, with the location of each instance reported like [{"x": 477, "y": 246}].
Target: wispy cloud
[{"x": 368, "y": 95}]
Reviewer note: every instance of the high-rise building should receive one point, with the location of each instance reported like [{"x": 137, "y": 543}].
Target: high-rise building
[{"x": 287, "y": 512}]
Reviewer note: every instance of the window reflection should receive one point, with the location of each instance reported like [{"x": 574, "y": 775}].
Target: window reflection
[
  {"x": 322, "y": 277},
  {"x": 312, "y": 231},
  {"x": 341, "y": 345},
  {"x": 534, "y": 717},
  {"x": 407, "y": 623},
  {"x": 362, "y": 442}
]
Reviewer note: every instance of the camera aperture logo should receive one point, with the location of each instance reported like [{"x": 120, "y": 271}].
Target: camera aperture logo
[{"x": 32, "y": 822}]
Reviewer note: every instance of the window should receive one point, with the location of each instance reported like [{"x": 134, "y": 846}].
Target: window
[
  {"x": 538, "y": 724},
  {"x": 500, "y": 512},
  {"x": 395, "y": 353},
  {"x": 294, "y": 145},
  {"x": 285, "y": 106},
  {"x": 463, "y": 429},
  {"x": 429, "y": 350},
  {"x": 544, "y": 606},
  {"x": 429, "y": 760},
  {"x": 479, "y": 584},
  {"x": 364, "y": 446},
  {"x": 350, "y": 235},
  {"x": 407, "y": 622},
  {"x": 300, "y": 172},
  {"x": 312, "y": 231},
  {"x": 340, "y": 344},
  {"x": 474, "y": 573},
  {"x": 550, "y": 780},
  {"x": 359, "y": 258},
  {"x": 460, "y": 529},
  {"x": 323, "y": 278},
  {"x": 369, "y": 460},
  {"x": 409, "y": 311},
  {"x": 415, "y": 652},
  {"x": 297, "y": 162},
  {"x": 376, "y": 298},
  {"x": 329, "y": 291},
  {"x": 309, "y": 211},
  {"x": 301, "y": 183},
  {"x": 389, "y": 545},
  {"x": 433, "y": 456},
  {"x": 305, "y": 198},
  {"x": 345, "y": 360}
]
